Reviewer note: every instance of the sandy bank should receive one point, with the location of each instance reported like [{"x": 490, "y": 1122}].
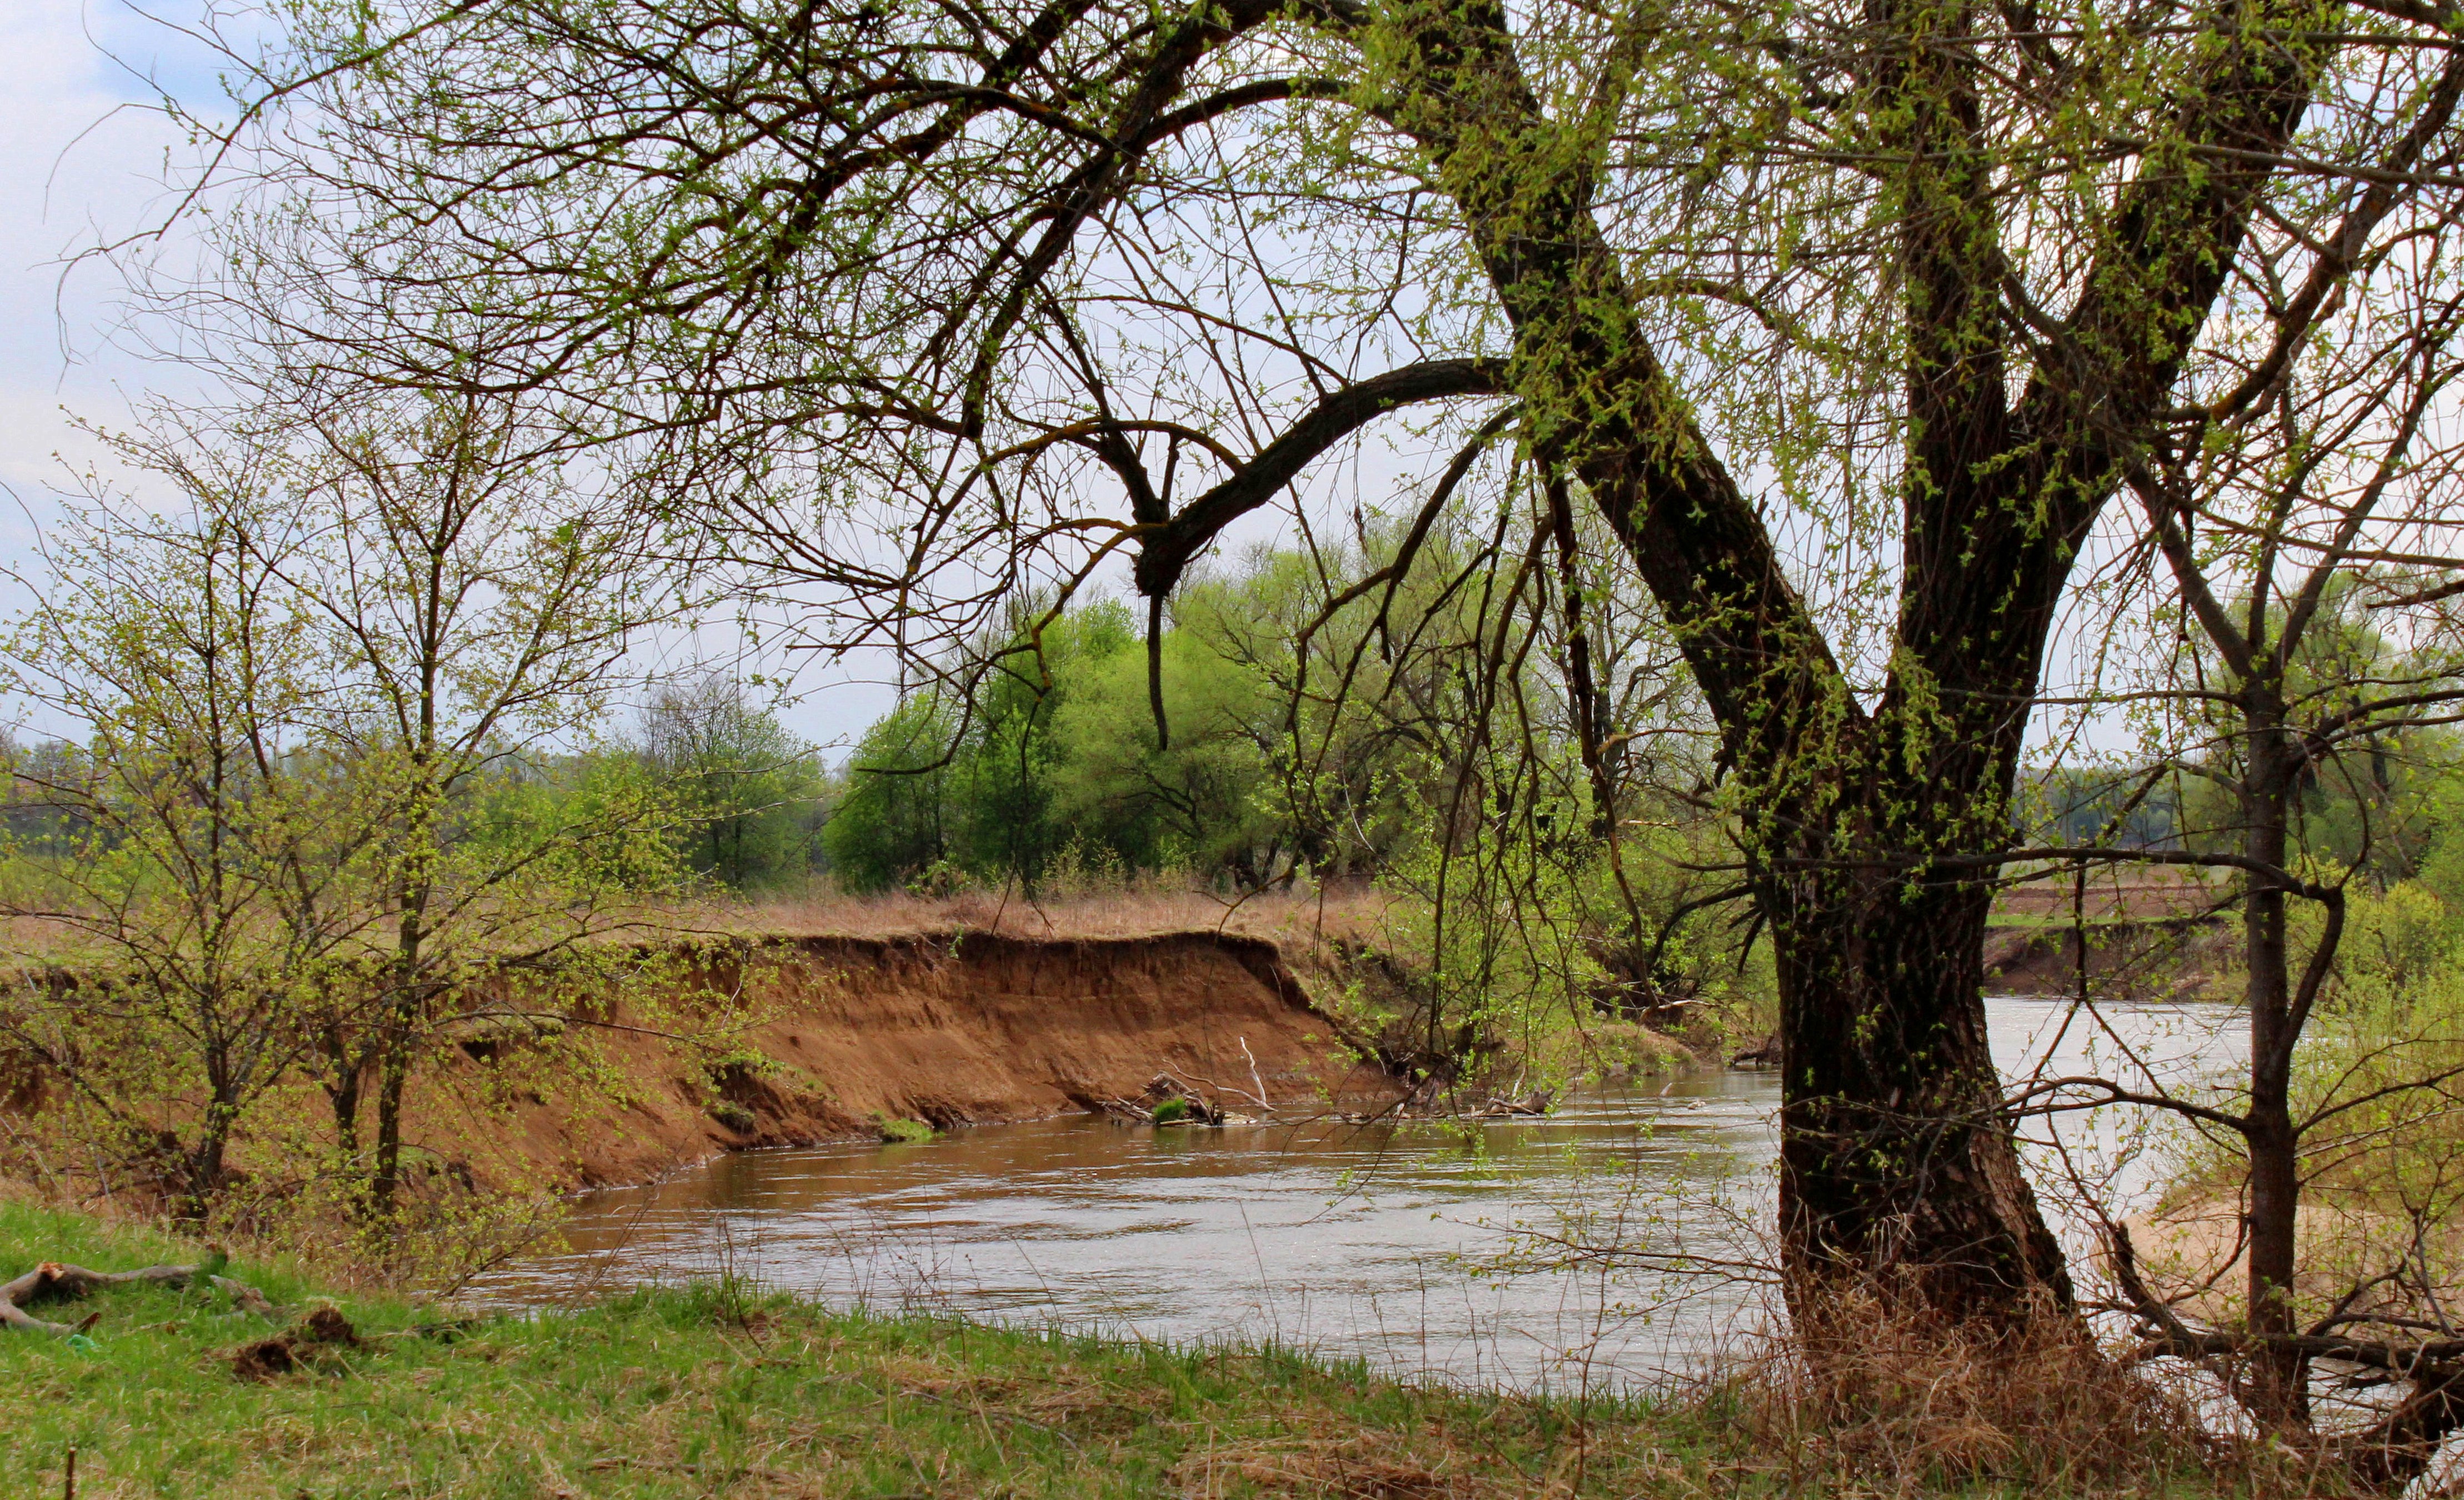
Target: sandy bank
[{"x": 954, "y": 1030}]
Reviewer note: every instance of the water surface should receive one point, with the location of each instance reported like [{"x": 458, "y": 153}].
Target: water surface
[{"x": 1423, "y": 1248}]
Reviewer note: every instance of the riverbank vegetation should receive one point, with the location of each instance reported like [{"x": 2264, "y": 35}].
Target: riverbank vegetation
[
  {"x": 719, "y": 1389},
  {"x": 324, "y": 840},
  {"x": 1753, "y": 493}
]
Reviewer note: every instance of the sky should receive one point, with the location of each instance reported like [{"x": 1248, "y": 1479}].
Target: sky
[
  {"x": 84, "y": 159},
  {"x": 81, "y": 157}
]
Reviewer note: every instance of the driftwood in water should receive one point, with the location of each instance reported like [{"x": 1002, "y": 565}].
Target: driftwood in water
[
  {"x": 1500, "y": 1106},
  {"x": 1765, "y": 1055},
  {"x": 54, "y": 1279},
  {"x": 1149, "y": 1108}
]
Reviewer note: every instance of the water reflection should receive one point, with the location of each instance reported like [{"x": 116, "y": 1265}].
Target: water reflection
[{"x": 1381, "y": 1242}]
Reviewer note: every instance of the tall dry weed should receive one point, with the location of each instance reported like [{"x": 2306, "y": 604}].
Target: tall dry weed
[
  {"x": 1864, "y": 1395},
  {"x": 1135, "y": 908}
]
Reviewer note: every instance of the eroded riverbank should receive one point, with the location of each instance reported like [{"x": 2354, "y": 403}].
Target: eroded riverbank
[{"x": 947, "y": 1029}]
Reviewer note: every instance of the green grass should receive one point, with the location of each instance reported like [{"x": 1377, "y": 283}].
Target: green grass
[
  {"x": 700, "y": 1392},
  {"x": 708, "y": 1391}
]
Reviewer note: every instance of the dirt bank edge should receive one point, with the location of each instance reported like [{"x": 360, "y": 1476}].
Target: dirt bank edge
[{"x": 952, "y": 1028}]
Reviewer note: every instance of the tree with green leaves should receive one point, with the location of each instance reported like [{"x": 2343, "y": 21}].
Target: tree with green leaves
[
  {"x": 1846, "y": 322},
  {"x": 478, "y": 607},
  {"x": 891, "y": 821},
  {"x": 751, "y": 789},
  {"x": 294, "y": 692},
  {"x": 2293, "y": 656},
  {"x": 166, "y": 982}
]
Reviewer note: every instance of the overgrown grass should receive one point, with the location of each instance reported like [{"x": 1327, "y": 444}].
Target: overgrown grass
[{"x": 710, "y": 1391}]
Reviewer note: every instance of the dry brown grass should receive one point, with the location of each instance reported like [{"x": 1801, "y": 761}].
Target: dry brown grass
[
  {"x": 1350, "y": 1465},
  {"x": 1866, "y": 1395},
  {"x": 2116, "y": 894},
  {"x": 1354, "y": 913}
]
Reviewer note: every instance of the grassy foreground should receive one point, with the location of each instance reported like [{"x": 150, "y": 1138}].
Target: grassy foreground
[
  {"x": 696, "y": 1392},
  {"x": 708, "y": 1392}
]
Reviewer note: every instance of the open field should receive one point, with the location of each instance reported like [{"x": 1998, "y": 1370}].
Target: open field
[
  {"x": 2056, "y": 897},
  {"x": 1346, "y": 912}
]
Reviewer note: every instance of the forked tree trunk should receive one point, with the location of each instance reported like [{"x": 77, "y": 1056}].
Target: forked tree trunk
[{"x": 1895, "y": 1152}]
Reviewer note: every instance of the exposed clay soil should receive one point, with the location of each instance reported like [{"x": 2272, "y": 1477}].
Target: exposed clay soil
[
  {"x": 2110, "y": 895},
  {"x": 2153, "y": 958},
  {"x": 2193, "y": 1253},
  {"x": 2149, "y": 934},
  {"x": 954, "y": 1030}
]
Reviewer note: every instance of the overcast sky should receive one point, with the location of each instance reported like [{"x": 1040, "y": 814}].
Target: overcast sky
[
  {"x": 83, "y": 157},
  {"x": 80, "y": 157}
]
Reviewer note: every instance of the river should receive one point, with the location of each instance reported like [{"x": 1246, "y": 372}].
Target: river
[{"x": 1422, "y": 1248}]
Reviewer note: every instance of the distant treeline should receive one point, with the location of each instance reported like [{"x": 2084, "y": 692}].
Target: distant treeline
[
  {"x": 1039, "y": 757},
  {"x": 736, "y": 800}
]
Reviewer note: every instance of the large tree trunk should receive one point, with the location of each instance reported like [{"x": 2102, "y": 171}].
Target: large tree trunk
[
  {"x": 1852, "y": 807},
  {"x": 1894, "y": 1152}
]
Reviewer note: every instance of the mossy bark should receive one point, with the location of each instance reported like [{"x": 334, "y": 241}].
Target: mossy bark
[{"x": 1868, "y": 823}]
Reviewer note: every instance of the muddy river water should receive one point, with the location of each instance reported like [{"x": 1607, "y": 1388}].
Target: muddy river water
[{"x": 1422, "y": 1248}]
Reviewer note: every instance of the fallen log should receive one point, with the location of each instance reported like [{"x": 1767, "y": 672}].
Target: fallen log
[
  {"x": 58, "y": 1279},
  {"x": 1501, "y": 1106},
  {"x": 1765, "y": 1055},
  {"x": 2386, "y": 1456}
]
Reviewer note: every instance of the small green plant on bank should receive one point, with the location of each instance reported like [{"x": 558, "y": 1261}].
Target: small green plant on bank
[
  {"x": 1171, "y": 1111},
  {"x": 904, "y": 1133},
  {"x": 704, "y": 1391}
]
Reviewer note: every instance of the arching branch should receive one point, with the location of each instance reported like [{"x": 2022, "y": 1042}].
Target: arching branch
[{"x": 1166, "y": 552}]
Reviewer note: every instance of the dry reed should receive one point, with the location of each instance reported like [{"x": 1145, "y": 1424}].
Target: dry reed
[
  {"x": 1130, "y": 910},
  {"x": 1864, "y": 1395}
]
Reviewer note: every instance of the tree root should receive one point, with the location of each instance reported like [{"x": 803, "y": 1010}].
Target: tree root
[{"x": 54, "y": 1279}]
